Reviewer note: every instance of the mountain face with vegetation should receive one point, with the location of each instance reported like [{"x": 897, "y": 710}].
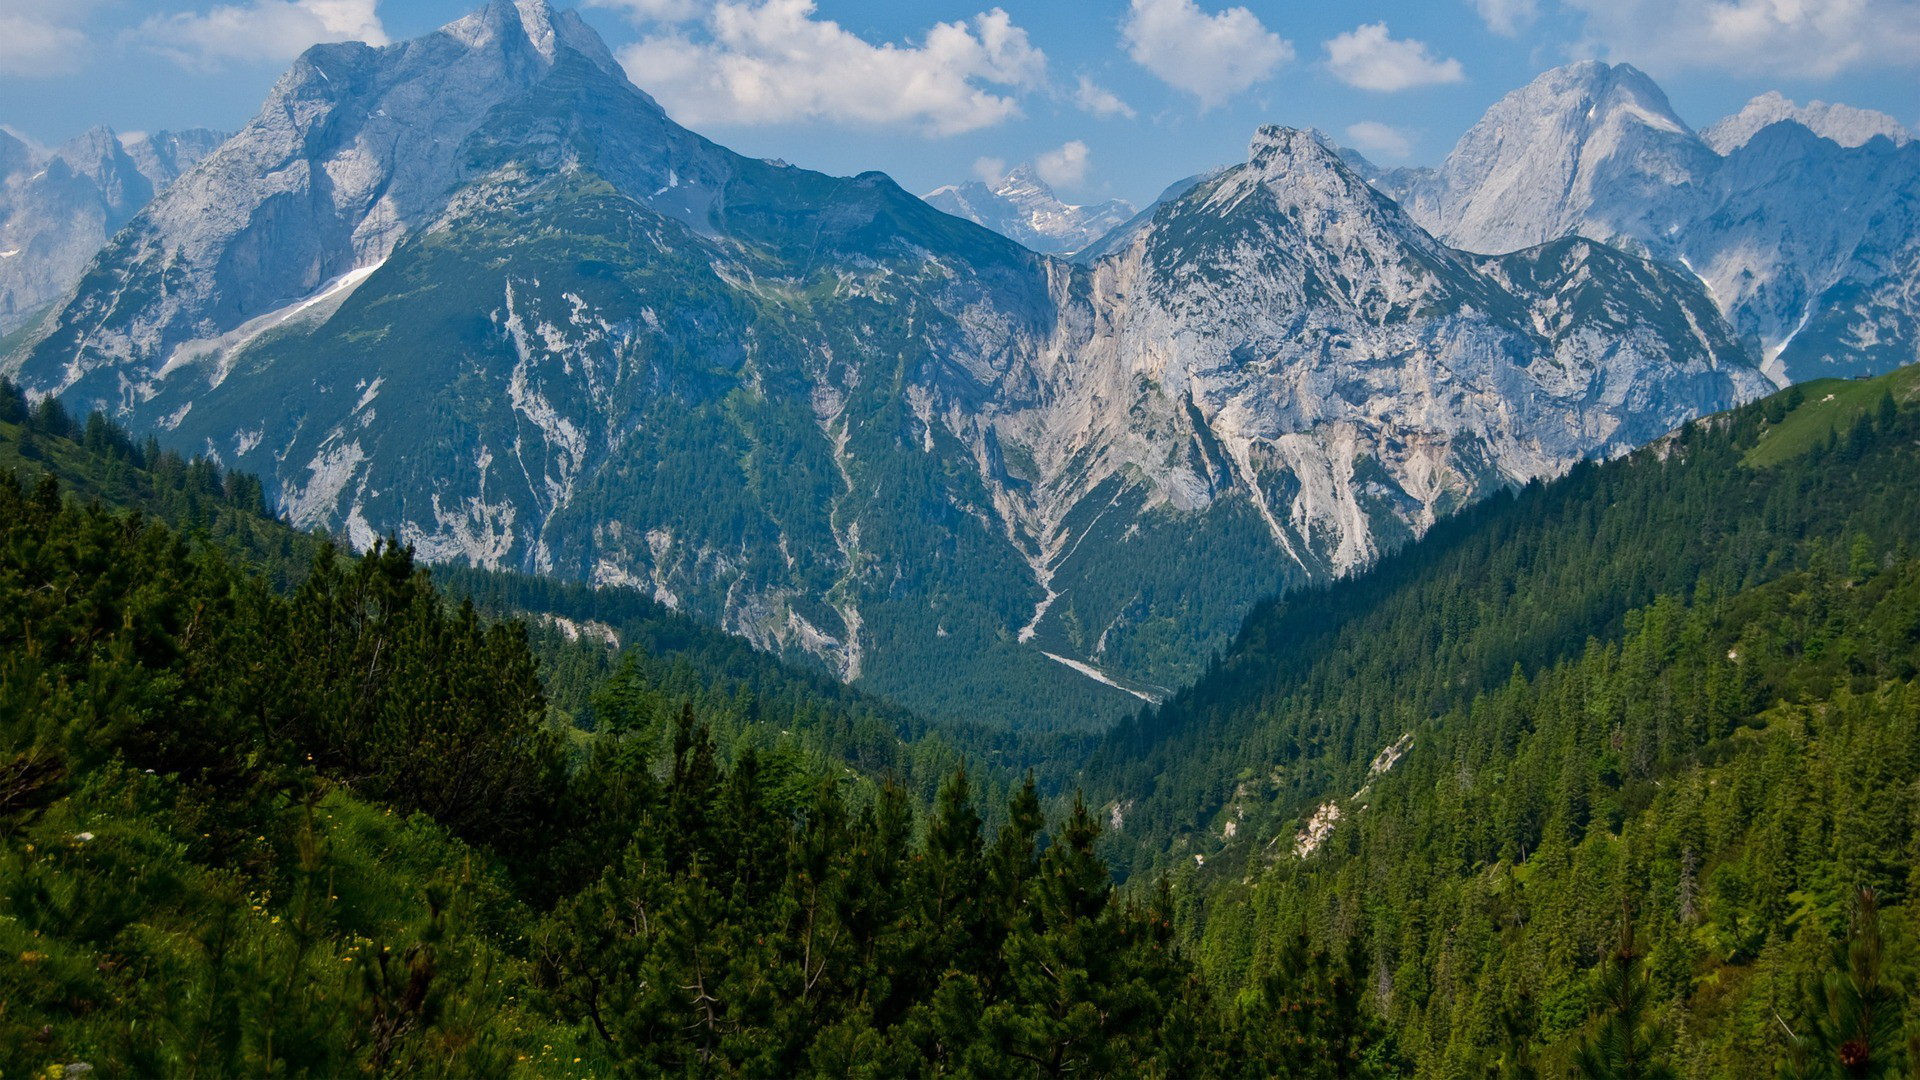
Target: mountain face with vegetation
[
  {"x": 265, "y": 808},
  {"x": 1673, "y": 695},
  {"x": 567, "y": 336},
  {"x": 1804, "y": 224}
]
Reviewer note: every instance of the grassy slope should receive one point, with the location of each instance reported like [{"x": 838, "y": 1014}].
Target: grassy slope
[{"x": 1830, "y": 406}]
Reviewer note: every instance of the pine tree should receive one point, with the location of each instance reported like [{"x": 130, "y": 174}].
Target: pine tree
[
  {"x": 1625, "y": 1044},
  {"x": 1854, "y": 1011}
]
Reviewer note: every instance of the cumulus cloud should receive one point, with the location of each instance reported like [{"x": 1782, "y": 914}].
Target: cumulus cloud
[
  {"x": 1811, "y": 38},
  {"x": 39, "y": 38},
  {"x": 1369, "y": 58},
  {"x": 264, "y": 30},
  {"x": 990, "y": 170},
  {"x": 772, "y": 62},
  {"x": 1212, "y": 57},
  {"x": 1379, "y": 140},
  {"x": 1065, "y": 167},
  {"x": 1507, "y": 17},
  {"x": 1100, "y": 101}
]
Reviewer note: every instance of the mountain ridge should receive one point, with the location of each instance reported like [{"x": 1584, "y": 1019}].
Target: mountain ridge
[{"x": 59, "y": 206}]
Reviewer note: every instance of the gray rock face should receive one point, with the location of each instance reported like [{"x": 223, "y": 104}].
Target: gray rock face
[
  {"x": 1022, "y": 208},
  {"x": 1282, "y": 335},
  {"x": 58, "y": 207},
  {"x": 551, "y": 330},
  {"x": 1804, "y": 231}
]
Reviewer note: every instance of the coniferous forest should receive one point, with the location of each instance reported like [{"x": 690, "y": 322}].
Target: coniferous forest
[{"x": 1613, "y": 776}]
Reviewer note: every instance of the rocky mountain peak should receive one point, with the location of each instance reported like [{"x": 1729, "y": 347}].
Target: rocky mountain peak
[
  {"x": 1608, "y": 91},
  {"x": 533, "y": 25},
  {"x": 1843, "y": 124},
  {"x": 58, "y": 206},
  {"x": 1304, "y": 174},
  {"x": 1276, "y": 147},
  {"x": 1584, "y": 148}
]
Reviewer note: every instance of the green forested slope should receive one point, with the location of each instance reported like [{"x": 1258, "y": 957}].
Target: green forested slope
[
  {"x": 1320, "y": 681},
  {"x": 1674, "y": 692},
  {"x": 1624, "y": 768}
]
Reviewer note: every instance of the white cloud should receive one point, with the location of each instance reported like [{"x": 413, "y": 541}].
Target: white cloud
[
  {"x": 772, "y": 62},
  {"x": 1065, "y": 167},
  {"x": 1100, "y": 101},
  {"x": 40, "y": 38},
  {"x": 1377, "y": 139},
  {"x": 1367, "y": 57},
  {"x": 1212, "y": 57},
  {"x": 990, "y": 170},
  {"x": 261, "y": 31},
  {"x": 1814, "y": 38},
  {"x": 1507, "y": 17}
]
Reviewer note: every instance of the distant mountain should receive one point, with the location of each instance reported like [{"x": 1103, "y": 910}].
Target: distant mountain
[
  {"x": 1021, "y": 207},
  {"x": 1844, "y": 124},
  {"x": 568, "y": 336},
  {"x": 58, "y": 207},
  {"x": 1809, "y": 246}
]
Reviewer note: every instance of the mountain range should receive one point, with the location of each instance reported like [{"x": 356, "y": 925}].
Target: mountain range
[
  {"x": 1022, "y": 207},
  {"x": 479, "y": 291},
  {"x": 59, "y": 206},
  {"x": 1804, "y": 224}
]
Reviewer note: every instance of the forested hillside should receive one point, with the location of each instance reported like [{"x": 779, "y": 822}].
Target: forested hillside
[
  {"x": 258, "y": 820},
  {"x": 1611, "y": 774},
  {"x": 1673, "y": 694}
]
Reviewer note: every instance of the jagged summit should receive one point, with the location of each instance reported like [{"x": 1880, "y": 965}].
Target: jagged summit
[
  {"x": 59, "y": 205},
  {"x": 1279, "y": 143},
  {"x": 356, "y": 149},
  {"x": 535, "y": 22},
  {"x": 1310, "y": 195}
]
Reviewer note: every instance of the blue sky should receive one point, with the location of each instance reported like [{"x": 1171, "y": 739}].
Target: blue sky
[{"x": 1114, "y": 97}]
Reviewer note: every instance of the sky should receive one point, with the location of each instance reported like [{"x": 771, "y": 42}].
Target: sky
[{"x": 1110, "y": 98}]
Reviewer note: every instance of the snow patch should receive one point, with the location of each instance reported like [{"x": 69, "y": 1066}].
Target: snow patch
[{"x": 224, "y": 348}]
